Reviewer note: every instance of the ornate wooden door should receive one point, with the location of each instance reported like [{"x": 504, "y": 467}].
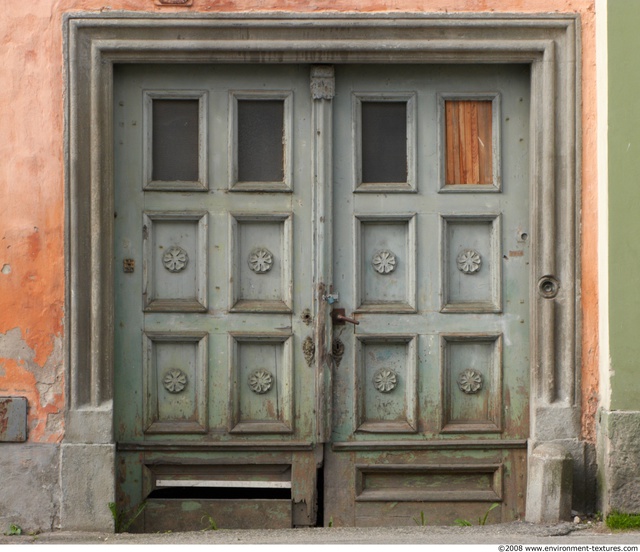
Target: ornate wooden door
[
  {"x": 220, "y": 398},
  {"x": 431, "y": 255},
  {"x": 215, "y": 411}
]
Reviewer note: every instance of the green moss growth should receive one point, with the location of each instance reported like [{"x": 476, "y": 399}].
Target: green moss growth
[{"x": 617, "y": 520}]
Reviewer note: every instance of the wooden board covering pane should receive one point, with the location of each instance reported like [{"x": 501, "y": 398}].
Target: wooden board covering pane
[{"x": 469, "y": 142}]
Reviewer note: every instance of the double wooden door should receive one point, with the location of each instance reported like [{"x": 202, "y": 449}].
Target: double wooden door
[{"x": 226, "y": 405}]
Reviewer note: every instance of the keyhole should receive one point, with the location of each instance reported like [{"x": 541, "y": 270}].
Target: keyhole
[{"x": 306, "y": 317}]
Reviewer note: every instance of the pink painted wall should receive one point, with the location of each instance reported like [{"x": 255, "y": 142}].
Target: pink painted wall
[{"x": 32, "y": 265}]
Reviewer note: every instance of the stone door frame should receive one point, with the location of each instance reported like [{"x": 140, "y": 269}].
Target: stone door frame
[{"x": 549, "y": 43}]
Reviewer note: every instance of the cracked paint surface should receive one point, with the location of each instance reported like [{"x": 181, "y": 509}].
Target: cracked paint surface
[{"x": 32, "y": 275}]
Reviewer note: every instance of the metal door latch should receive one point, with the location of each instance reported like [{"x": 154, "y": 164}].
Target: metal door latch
[{"x": 339, "y": 318}]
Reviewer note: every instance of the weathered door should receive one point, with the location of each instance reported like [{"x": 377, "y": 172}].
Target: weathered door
[
  {"x": 218, "y": 397},
  {"x": 431, "y": 257},
  {"x": 214, "y": 398}
]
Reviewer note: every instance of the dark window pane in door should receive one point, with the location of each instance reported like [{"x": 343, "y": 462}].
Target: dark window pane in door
[
  {"x": 384, "y": 141},
  {"x": 260, "y": 140},
  {"x": 175, "y": 140}
]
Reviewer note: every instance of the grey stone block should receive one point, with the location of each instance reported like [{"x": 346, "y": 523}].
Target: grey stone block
[
  {"x": 619, "y": 461},
  {"x": 88, "y": 485},
  {"x": 550, "y": 484},
  {"x": 30, "y": 492}
]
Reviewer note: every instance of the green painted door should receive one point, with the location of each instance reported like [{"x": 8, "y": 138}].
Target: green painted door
[
  {"x": 214, "y": 396},
  {"x": 220, "y": 399},
  {"x": 431, "y": 256}
]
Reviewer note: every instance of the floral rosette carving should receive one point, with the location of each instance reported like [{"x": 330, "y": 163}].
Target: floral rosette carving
[
  {"x": 385, "y": 380},
  {"x": 175, "y": 380},
  {"x": 175, "y": 259},
  {"x": 384, "y": 262},
  {"x": 469, "y": 261},
  {"x": 470, "y": 381},
  {"x": 260, "y": 381},
  {"x": 260, "y": 260}
]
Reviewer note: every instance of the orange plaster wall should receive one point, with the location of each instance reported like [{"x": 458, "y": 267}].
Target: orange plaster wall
[{"x": 32, "y": 276}]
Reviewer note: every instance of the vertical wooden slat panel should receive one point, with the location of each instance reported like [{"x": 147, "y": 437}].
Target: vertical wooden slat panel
[{"x": 469, "y": 136}]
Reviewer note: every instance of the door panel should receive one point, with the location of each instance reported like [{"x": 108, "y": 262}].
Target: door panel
[
  {"x": 431, "y": 397},
  {"x": 213, "y": 209}
]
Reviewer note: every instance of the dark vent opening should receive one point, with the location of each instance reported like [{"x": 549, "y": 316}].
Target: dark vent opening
[
  {"x": 320, "y": 518},
  {"x": 221, "y": 493}
]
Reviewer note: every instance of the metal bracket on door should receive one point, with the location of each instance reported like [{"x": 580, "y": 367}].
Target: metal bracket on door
[{"x": 331, "y": 298}]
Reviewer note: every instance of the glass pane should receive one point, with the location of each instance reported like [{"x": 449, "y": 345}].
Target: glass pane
[
  {"x": 175, "y": 143},
  {"x": 384, "y": 141},
  {"x": 260, "y": 140},
  {"x": 469, "y": 139}
]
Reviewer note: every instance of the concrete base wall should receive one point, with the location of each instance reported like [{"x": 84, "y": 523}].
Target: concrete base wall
[
  {"x": 46, "y": 487},
  {"x": 88, "y": 485},
  {"x": 30, "y": 486},
  {"x": 618, "y": 461}
]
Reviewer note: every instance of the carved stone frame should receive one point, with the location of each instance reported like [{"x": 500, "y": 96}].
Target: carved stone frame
[{"x": 549, "y": 44}]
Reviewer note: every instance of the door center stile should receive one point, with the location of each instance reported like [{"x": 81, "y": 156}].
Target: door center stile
[{"x": 322, "y": 86}]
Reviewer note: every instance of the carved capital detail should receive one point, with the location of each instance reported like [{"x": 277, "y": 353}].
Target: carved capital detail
[
  {"x": 323, "y": 82},
  {"x": 469, "y": 261},
  {"x": 260, "y": 381},
  {"x": 385, "y": 380},
  {"x": 175, "y": 380},
  {"x": 175, "y": 259},
  {"x": 260, "y": 260},
  {"x": 470, "y": 381},
  {"x": 384, "y": 262}
]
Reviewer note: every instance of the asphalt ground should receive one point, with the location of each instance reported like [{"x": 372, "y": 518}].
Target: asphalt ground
[{"x": 499, "y": 534}]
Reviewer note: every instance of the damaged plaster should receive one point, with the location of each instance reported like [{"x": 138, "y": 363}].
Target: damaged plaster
[{"x": 43, "y": 386}]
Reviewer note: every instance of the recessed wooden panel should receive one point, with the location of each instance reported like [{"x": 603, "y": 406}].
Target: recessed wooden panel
[
  {"x": 260, "y": 263},
  {"x": 471, "y": 367},
  {"x": 471, "y": 263},
  {"x": 175, "y": 382},
  {"x": 384, "y": 139},
  {"x": 175, "y": 134},
  {"x": 173, "y": 515},
  {"x": 385, "y": 263},
  {"x": 386, "y": 383},
  {"x": 175, "y": 267},
  {"x": 260, "y": 124},
  {"x": 429, "y": 483},
  {"x": 470, "y": 134},
  {"x": 261, "y": 383}
]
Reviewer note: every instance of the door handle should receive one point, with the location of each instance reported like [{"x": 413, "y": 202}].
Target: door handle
[{"x": 339, "y": 318}]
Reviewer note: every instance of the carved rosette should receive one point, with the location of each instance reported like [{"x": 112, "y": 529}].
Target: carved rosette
[
  {"x": 309, "y": 350},
  {"x": 470, "y": 381},
  {"x": 384, "y": 262},
  {"x": 469, "y": 261},
  {"x": 175, "y": 259},
  {"x": 260, "y": 381},
  {"x": 385, "y": 380},
  {"x": 175, "y": 380},
  {"x": 260, "y": 260}
]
